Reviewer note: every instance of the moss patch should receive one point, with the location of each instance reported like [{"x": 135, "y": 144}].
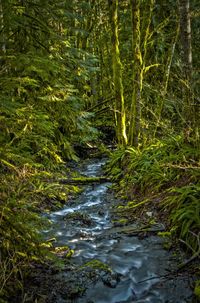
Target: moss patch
[
  {"x": 197, "y": 289},
  {"x": 96, "y": 264},
  {"x": 63, "y": 251}
]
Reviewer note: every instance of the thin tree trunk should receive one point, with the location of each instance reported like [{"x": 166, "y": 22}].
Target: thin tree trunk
[
  {"x": 135, "y": 111},
  {"x": 185, "y": 35},
  {"x": 185, "y": 31},
  {"x": 117, "y": 75},
  {"x": 2, "y": 27}
]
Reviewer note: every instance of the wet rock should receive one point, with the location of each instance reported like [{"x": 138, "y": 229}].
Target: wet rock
[
  {"x": 80, "y": 218},
  {"x": 73, "y": 291},
  {"x": 110, "y": 280},
  {"x": 101, "y": 212},
  {"x": 82, "y": 234}
]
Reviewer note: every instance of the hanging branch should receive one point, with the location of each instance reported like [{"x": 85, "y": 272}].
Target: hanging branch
[{"x": 100, "y": 103}]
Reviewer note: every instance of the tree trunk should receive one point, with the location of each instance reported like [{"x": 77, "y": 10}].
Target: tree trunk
[
  {"x": 185, "y": 31},
  {"x": 185, "y": 35},
  {"x": 135, "y": 111},
  {"x": 117, "y": 75},
  {"x": 2, "y": 27}
]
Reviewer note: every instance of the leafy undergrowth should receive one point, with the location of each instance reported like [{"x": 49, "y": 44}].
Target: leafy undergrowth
[
  {"x": 161, "y": 182},
  {"x": 26, "y": 191}
]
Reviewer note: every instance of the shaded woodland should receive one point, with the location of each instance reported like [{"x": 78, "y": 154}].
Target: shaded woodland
[{"x": 81, "y": 75}]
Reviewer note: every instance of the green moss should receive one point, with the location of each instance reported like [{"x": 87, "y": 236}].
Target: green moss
[
  {"x": 64, "y": 251},
  {"x": 96, "y": 264},
  {"x": 120, "y": 207},
  {"x": 121, "y": 221},
  {"x": 152, "y": 221},
  {"x": 123, "y": 197},
  {"x": 164, "y": 234},
  {"x": 168, "y": 240},
  {"x": 167, "y": 245},
  {"x": 86, "y": 180},
  {"x": 70, "y": 253},
  {"x": 197, "y": 289},
  {"x": 131, "y": 203}
]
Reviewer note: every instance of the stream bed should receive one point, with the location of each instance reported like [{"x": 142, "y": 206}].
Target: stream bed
[{"x": 135, "y": 269}]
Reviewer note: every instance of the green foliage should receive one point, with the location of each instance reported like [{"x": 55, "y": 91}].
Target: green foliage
[
  {"x": 21, "y": 242},
  {"x": 184, "y": 207},
  {"x": 42, "y": 115},
  {"x": 114, "y": 168},
  {"x": 25, "y": 191},
  {"x": 197, "y": 289},
  {"x": 155, "y": 166},
  {"x": 55, "y": 70},
  {"x": 169, "y": 168}
]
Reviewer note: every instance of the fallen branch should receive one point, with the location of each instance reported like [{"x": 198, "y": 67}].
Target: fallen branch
[
  {"x": 101, "y": 103},
  {"x": 84, "y": 180},
  {"x": 132, "y": 230}
]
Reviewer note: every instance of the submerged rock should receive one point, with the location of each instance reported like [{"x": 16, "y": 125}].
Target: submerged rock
[{"x": 79, "y": 218}]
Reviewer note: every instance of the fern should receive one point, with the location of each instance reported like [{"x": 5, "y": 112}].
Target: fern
[{"x": 185, "y": 212}]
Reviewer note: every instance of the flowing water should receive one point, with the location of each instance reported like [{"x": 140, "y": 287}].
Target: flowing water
[{"x": 140, "y": 263}]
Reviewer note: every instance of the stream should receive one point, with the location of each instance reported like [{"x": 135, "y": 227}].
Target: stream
[{"x": 137, "y": 264}]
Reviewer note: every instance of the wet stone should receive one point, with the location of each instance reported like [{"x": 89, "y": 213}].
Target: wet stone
[
  {"x": 111, "y": 280},
  {"x": 79, "y": 218},
  {"x": 101, "y": 212}
]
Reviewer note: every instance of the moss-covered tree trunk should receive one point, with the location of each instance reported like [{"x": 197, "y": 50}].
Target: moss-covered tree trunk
[
  {"x": 120, "y": 117},
  {"x": 135, "y": 111}
]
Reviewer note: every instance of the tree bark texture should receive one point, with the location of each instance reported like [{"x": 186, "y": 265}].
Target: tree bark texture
[
  {"x": 185, "y": 31},
  {"x": 135, "y": 112},
  {"x": 185, "y": 35},
  {"x": 117, "y": 75}
]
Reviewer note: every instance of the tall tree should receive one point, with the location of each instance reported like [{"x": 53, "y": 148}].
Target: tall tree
[
  {"x": 186, "y": 41},
  {"x": 186, "y": 36},
  {"x": 120, "y": 117},
  {"x": 135, "y": 117}
]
